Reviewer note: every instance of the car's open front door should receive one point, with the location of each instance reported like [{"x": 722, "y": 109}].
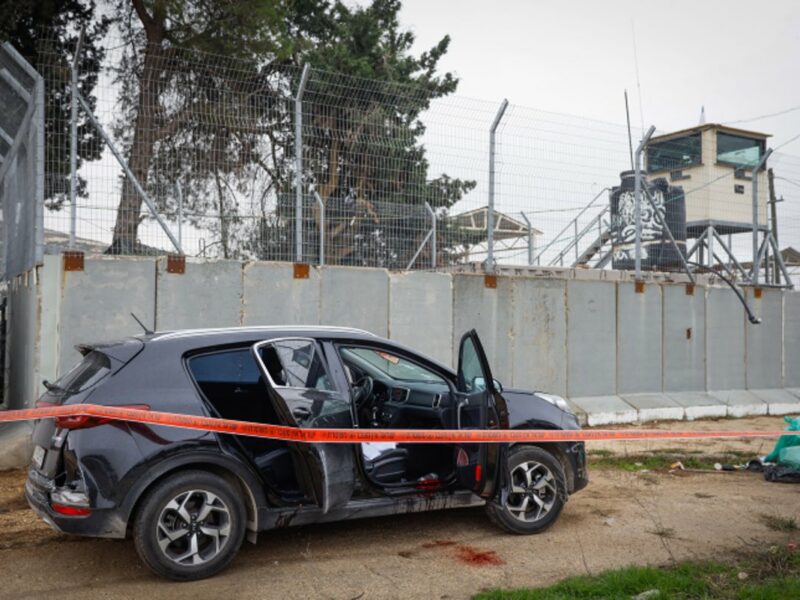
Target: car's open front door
[
  {"x": 475, "y": 463},
  {"x": 303, "y": 393}
]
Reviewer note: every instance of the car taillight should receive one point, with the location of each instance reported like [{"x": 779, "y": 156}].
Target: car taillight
[
  {"x": 71, "y": 511},
  {"x": 87, "y": 422}
]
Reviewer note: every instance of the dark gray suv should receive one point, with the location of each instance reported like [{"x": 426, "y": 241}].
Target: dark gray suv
[{"x": 189, "y": 498}]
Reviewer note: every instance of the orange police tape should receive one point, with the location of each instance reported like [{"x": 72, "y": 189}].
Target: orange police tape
[{"x": 349, "y": 436}]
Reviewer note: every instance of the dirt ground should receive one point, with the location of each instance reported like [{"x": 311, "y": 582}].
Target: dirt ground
[{"x": 622, "y": 518}]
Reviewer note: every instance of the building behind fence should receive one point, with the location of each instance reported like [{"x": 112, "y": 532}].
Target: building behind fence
[{"x": 223, "y": 158}]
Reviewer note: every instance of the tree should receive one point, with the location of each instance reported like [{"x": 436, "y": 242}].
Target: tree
[
  {"x": 45, "y": 33},
  {"x": 206, "y": 101},
  {"x": 362, "y": 151},
  {"x": 175, "y": 102}
]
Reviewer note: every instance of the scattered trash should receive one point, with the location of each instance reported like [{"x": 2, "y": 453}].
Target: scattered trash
[
  {"x": 609, "y": 521},
  {"x": 786, "y": 442},
  {"x": 677, "y": 465},
  {"x": 785, "y": 456},
  {"x": 742, "y": 576}
]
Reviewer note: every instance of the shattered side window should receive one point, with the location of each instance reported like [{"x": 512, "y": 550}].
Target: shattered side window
[{"x": 295, "y": 363}]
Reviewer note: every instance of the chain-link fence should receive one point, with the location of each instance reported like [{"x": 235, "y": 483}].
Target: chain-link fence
[
  {"x": 21, "y": 163},
  {"x": 219, "y": 157}
]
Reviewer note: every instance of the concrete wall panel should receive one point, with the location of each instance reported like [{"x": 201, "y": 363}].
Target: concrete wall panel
[
  {"x": 639, "y": 321},
  {"x": 684, "y": 333},
  {"x": 208, "y": 294},
  {"x": 272, "y": 296},
  {"x": 540, "y": 335},
  {"x": 791, "y": 339},
  {"x": 356, "y": 297},
  {"x": 421, "y": 312},
  {"x": 591, "y": 338},
  {"x": 96, "y": 303},
  {"x": 488, "y": 311},
  {"x": 765, "y": 341},
  {"x": 725, "y": 341}
]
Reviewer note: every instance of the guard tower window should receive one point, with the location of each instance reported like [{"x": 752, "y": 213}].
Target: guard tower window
[
  {"x": 738, "y": 150},
  {"x": 674, "y": 154}
]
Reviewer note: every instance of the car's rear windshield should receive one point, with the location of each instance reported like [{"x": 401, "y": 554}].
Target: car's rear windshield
[{"x": 94, "y": 367}]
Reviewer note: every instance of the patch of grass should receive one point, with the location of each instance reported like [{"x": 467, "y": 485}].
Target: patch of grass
[
  {"x": 773, "y": 574},
  {"x": 662, "y": 461},
  {"x": 776, "y": 523}
]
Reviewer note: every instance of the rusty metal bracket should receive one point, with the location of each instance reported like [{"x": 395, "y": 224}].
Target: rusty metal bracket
[
  {"x": 690, "y": 289},
  {"x": 176, "y": 263},
  {"x": 758, "y": 292},
  {"x": 639, "y": 286},
  {"x": 301, "y": 270},
  {"x": 73, "y": 260},
  {"x": 490, "y": 281}
]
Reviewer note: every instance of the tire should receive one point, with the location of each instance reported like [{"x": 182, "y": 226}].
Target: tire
[
  {"x": 189, "y": 526},
  {"x": 540, "y": 498}
]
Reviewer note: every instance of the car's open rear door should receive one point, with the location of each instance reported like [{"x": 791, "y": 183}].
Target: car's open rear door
[
  {"x": 301, "y": 390},
  {"x": 475, "y": 463}
]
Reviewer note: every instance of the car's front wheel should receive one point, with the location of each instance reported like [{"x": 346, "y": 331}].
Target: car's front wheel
[
  {"x": 189, "y": 526},
  {"x": 535, "y": 495}
]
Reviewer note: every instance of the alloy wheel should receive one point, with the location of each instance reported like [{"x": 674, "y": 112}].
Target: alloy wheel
[
  {"x": 193, "y": 527},
  {"x": 533, "y": 492}
]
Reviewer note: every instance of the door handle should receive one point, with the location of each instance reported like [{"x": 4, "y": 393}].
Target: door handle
[
  {"x": 459, "y": 406},
  {"x": 301, "y": 412}
]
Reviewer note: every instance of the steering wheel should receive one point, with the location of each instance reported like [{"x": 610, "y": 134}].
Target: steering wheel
[{"x": 362, "y": 390}]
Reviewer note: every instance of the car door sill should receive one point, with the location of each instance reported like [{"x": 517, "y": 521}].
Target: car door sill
[{"x": 361, "y": 509}]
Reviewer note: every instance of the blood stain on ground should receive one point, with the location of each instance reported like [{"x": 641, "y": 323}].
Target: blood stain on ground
[{"x": 479, "y": 558}]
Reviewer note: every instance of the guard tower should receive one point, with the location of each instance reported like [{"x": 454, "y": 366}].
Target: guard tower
[{"x": 714, "y": 164}]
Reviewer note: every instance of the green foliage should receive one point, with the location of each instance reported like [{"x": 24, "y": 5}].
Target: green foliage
[
  {"x": 223, "y": 127},
  {"x": 45, "y": 33},
  {"x": 771, "y": 575}
]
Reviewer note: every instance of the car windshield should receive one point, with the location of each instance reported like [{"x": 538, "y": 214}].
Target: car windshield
[{"x": 393, "y": 366}]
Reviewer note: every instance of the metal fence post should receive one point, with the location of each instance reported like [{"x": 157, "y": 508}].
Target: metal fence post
[
  {"x": 179, "y": 191},
  {"x": 490, "y": 212},
  {"x": 298, "y": 163},
  {"x": 638, "y": 199},
  {"x": 531, "y": 249},
  {"x": 73, "y": 142},
  {"x": 321, "y": 228},
  {"x": 756, "y": 254},
  {"x": 433, "y": 234}
]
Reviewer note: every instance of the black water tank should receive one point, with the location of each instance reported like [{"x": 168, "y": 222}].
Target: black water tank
[{"x": 658, "y": 253}]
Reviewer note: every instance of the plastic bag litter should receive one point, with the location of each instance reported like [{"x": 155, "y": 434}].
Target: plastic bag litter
[{"x": 787, "y": 450}]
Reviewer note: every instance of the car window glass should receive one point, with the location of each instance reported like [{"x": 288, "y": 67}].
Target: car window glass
[
  {"x": 392, "y": 366},
  {"x": 236, "y": 366},
  {"x": 94, "y": 367},
  {"x": 295, "y": 363},
  {"x": 471, "y": 369}
]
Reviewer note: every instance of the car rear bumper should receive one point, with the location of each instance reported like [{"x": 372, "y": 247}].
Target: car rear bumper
[{"x": 105, "y": 523}]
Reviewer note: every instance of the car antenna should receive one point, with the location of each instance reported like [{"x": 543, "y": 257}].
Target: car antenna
[{"x": 142, "y": 325}]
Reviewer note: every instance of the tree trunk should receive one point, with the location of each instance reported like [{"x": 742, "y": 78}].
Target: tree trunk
[{"x": 126, "y": 228}]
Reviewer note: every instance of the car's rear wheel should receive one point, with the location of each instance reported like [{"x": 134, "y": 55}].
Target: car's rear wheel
[
  {"x": 535, "y": 495},
  {"x": 189, "y": 526}
]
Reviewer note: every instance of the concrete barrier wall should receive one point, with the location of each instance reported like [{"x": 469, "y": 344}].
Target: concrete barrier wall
[
  {"x": 791, "y": 340},
  {"x": 684, "y": 338},
  {"x": 591, "y": 338},
  {"x": 574, "y": 337},
  {"x": 639, "y": 326}
]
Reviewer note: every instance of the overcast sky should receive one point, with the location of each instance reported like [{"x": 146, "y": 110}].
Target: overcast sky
[{"x": 739, "y": 59}]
